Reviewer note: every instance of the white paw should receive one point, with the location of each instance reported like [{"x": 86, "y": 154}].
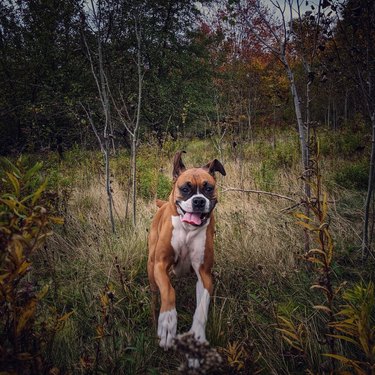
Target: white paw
[
  {"x": 198, "y": 327},
  {"x": 167, "y": 326},
  {"x": 199, "y": 332}
]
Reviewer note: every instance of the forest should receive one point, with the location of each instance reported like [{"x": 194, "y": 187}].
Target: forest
[{"x": 96, "y": 99}]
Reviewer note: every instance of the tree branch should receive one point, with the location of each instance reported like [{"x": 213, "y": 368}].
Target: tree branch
[{"x": 259, "y": 192}]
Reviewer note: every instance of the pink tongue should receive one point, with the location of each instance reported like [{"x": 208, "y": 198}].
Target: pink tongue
[{"x": 192, "y": 218}]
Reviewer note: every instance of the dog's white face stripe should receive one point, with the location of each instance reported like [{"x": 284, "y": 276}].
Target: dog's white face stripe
[{"x": 187, "y": 205}]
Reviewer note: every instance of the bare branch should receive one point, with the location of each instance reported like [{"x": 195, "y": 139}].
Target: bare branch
[
  {"x": 88, "y": 115},
  {"x": 259, "y": 192}
]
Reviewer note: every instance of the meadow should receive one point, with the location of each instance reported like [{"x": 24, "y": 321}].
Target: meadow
[{"x": 96, "y": 317}]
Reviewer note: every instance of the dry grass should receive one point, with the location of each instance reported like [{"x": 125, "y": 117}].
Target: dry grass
[{"x": 258, "y": 270}]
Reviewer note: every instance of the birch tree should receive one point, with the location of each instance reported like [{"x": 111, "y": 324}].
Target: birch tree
[
  {"x": 131, "y": 122},
  {"x": 355, "y": 48},
  {"x": 105, "y": 137},
  {"x": 289, "y": 36}
]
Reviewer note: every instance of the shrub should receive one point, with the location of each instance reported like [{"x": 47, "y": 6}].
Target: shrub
[
  {"x": 356, "y": 326},
  {"x": 24, "y": 228},
  {"x": 352, "y": 176}
]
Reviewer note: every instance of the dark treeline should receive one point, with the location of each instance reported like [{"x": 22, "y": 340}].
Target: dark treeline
[{"x": 202, "y": 69}]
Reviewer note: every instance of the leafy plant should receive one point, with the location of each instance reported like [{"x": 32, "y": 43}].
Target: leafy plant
[
  {"x": 321, "y": 256},
  {"x": 357, "y": 327},
  {"x": 319, "y": 228},
  {"x": 24, "y": 228}
]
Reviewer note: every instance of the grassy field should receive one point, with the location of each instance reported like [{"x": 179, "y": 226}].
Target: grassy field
[{"x": 260, "y": 273}]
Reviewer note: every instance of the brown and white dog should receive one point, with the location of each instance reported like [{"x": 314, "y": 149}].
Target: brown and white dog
[{"x": 181, "y": 238}]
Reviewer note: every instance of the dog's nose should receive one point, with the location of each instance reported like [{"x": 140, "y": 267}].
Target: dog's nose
[{"x": 199, "y": 203}]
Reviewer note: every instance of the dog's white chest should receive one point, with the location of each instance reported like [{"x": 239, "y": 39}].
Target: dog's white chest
[{"x": 189, "y": 244}]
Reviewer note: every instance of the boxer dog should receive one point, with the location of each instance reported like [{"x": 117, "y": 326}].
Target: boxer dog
[{"x": 181, "y": 238}]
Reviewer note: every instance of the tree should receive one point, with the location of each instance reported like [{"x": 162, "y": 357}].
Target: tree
[
  {"x": 131, "y": 122},
  {"x": 100, "y": 77},
  {"x": 355, "y": 47}
]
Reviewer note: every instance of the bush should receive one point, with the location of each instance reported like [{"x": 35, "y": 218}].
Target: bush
[
  {"x": 342, "y": 143},
  {"x": 352, "y": 176},
  {"x": 24, "y": 227}
]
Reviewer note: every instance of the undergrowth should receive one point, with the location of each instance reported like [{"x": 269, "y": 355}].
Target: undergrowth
[{"x": 263, "y": 315}]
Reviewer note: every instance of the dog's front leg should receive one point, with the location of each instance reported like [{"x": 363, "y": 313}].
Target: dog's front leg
[
  {"x": 204, "y": 289},
  {"x": 167, "y": 322}
]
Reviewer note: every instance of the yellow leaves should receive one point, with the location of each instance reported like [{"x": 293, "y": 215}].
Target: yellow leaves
[
  {"x": 38, "y": 193},
  {"x": 24, "y": 228},
  {"x": 322, "y": 308},
  {"x": 56, "y": 220},
  {"x": 16, "y": 185},
  {"x": 23, "y": 268},
  {"x": 316, "y": 286},
  {"x": 99, "y": 332},
  {"x": 357, "y": 326},
  {"x": 66, "y": 316},
  {"x": 104, "y": 299},
  {"x": 60, "y": 322},
  {"x": 356, "y": 365},
  {"x": 315, "y": 260},
  {"x": 13, "y": 204},
  {"x": 310, "y": 227},
  {"x": 324, "y": 208},
  {"x": 18, "y": 252},
  {"x": 345, "y": 338},
  {"x": 236, "y": 355},
  {"x": 291, "y": 333},
  {"x": 43, "y": 292},
  {"x": 27, "y": 313},
  {"x": 300, "y": 215}
]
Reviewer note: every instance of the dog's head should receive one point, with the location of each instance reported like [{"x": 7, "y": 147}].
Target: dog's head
[{"x": 195, "y": 192}]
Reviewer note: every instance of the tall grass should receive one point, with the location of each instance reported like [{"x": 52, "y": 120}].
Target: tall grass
[{"x": 259, "y": 269}]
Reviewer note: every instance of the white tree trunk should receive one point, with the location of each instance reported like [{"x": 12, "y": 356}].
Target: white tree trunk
[{"x": 370, "y": 189}]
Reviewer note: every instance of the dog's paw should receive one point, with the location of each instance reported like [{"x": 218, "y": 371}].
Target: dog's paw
[
  {"x": 198, "y": 328},
  {"x": 167, "y": 326},
  {"x": 199, "y": 332}
]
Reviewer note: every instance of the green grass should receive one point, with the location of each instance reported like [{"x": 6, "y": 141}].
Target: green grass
[{"x": 259, "y": 270}]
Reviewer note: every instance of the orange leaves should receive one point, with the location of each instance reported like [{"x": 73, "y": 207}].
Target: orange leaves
[
  {"x": 24, "y": 228},
  {"x": 27, "y": 313}
]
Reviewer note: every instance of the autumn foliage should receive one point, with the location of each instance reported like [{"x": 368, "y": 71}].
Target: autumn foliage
[{"x": 24, "y": 228}]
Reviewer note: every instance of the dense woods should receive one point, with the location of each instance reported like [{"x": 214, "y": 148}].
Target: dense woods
[
  {"x": 203, "y": 65},
  {"x": 96, "y": 96}
]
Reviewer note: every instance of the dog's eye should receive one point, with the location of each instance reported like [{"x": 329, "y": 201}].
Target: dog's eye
[
  {"x": 209, "y": 189},
  {"x": 185, "y": 189}
]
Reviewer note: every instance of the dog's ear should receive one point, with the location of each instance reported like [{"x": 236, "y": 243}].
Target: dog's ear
[
  {"x": 214, "y": 166},
  {"x": 178, "y": 165}
]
